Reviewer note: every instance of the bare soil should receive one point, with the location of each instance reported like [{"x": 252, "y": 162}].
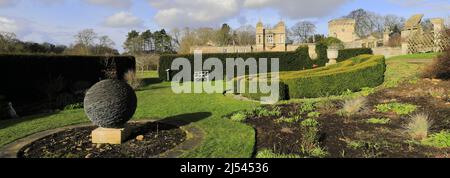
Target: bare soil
[
  {"x": 76, "y": 143},
  {"x": 375, "y": 140}
]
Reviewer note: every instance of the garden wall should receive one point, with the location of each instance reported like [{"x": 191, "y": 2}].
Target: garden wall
[{"x": 30, "y": 80}]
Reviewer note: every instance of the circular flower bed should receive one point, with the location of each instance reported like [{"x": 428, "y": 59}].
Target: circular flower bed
[{"x": 146, "y": 140}]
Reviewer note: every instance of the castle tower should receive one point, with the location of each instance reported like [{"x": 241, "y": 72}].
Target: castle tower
[
  {"x": 343, "y": 29},
  {"x": 260, "y": 36}
]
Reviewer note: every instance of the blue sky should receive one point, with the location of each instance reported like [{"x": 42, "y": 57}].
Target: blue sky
[{"x": 57, "y": 21}]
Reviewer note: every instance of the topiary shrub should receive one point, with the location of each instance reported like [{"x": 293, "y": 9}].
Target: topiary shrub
[
  {"x": 345, "y": 54},
  {"x": 110, "y": 103},
  {"x": 350, "y": 75}
]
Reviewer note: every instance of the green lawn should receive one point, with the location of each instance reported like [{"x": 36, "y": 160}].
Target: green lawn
[
  {"x": 406, "y": 68},
  {"x": 223, "y": 138}
]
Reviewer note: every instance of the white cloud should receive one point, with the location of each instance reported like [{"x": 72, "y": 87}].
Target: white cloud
[
  {"x": 8, "y": 25},
  {"x": 181, "y": 13},
  {"x": 194, "y": 13},
  {"x": 123, "y": 19},
  {"x": 112, "y": 3},
  {"x": 299, "y": 8}
]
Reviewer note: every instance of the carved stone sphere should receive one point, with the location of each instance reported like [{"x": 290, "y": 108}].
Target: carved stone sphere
[{"x": 110, "y": 103}]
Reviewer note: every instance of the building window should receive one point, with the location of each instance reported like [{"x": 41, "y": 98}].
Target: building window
[
  {"x": 259, "y": 38},
  {"x": 269, "y": 38}
]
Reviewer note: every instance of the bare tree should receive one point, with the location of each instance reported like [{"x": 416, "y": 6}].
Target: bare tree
[
  {"x": 86, "y": 39},
  {"x": 246, "y": 35},
  {"x": 176, "y": 37},
  {"x": 187, "y": 41},
  {"x": 366, "y": 22},
  {"x": 302, "y": 30},
  {"x": 105, "y": 41},
  {"x": 7, "y": 41},
  {"x": 393, "y": 21}
]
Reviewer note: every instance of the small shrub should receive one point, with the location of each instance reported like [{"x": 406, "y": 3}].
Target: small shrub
[
  {"x": 440, "y": 140},
  {"x": 326, "y": 105},
  {"x": 319, "y": 152},
  {"x": 398, "y": 108},
  {"x": 306, "y": 106},
  {"x": 313, "y": 115},
  {"x": 266, "y": 153},
  {"x": 310, "y": 123},
  {"x": 74, "y": 106},
  {"x": 351, "y": 107},
  {"x": 288, "y": 119},
  {"x": 310, "y": 143},
  {"x": 366, "y": 91},
  {"x": 264, "y": 112},
  {"x": 440, "y": 68},
  {"x": 418, "y": 126},
  {"x": 378, "y": 121},
  {"x": 133, "y": 80},
  {"x": 355, "y": 144},
  {"x": 239, "y": 116}
]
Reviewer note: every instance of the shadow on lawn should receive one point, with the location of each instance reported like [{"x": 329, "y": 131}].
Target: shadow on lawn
[
  {"x": 10, "y": 122},
  {"x": 186, "y": 119},
  {"x": 151, "y": 81}
]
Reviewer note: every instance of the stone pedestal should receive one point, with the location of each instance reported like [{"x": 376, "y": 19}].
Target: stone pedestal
[
  {"x": 331, "y": 62},
  {"x": 109, "y": 136},
  {"x": 332, "y": 54}
]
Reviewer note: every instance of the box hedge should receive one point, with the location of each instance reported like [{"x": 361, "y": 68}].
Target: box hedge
[
  {"x": 353, "y": 74},
  {"x": 289, "y": 61},
  {"x": 359, "y": 72},
  {"x": 31, "y": 79},
  {"x": 345, "y": 54}
]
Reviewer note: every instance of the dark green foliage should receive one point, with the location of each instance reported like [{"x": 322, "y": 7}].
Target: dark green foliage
[
  {"x": 3, "y": 108},
  {"x": 353, "y": 75},
  {"x": 289, "y": 61},
  {"x": 110, "y": 103},
  {"x": 369, "y": 73},
  {"x": 37, "y": 80},
  {"x": 345, "y": 54},
  {"x": 321, "y": 51}
]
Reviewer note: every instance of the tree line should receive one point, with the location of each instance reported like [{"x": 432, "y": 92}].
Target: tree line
[{"x": 87, "y": 42}]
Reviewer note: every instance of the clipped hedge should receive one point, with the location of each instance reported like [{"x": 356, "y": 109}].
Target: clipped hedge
[
  {"x": 345, "y": 54},
  {"x": 289, "y": 61},
  {"x": 32, "y": 79},
  {"x": 353, "y": 74}
]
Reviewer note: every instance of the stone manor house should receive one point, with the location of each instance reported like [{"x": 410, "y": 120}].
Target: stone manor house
[
  {"x": 414, "y": 39},
  {"x": 267, "y": 39}
]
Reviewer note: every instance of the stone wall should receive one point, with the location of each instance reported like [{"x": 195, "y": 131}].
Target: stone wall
[{"x": 387, "y": 51}]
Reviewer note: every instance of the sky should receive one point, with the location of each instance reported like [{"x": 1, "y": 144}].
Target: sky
[{"x": 57, "y": 21}]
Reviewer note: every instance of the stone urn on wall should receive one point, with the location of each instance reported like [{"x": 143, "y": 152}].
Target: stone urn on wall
[{"x": 332, "y": 54}]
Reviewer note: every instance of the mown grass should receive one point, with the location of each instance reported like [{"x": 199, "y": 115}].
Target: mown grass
[
  {"x": 406, "y": 68},
  {"x": 223, "y": 137}
]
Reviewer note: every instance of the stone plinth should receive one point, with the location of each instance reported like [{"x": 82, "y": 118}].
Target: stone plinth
[{"x": 109, "y": 135}]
